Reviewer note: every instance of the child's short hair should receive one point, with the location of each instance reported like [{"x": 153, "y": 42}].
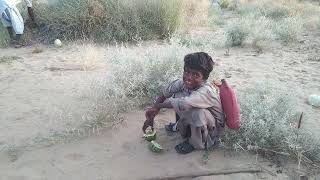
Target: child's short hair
[{"x": 199, "y": 61}]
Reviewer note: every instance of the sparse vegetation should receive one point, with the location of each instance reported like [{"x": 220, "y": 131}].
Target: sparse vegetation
[
  {"x": 236, "y": 35},
  {"x": 266, "y": 21},
  {"x": 228, "y": 4},
  {"x": 8, "y": 59},
  {"x": 89, "y": 57},
  {"x": 37, "y": 50},
  {"x": 270, "y": 121},
  {"x": 287, "y": 29},
  {"x": 108, "y": 20},
  {"x": 195, "y": 13},
  {"x": 4, "y": 36}
]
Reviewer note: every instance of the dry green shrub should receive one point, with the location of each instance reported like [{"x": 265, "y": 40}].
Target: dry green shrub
[
  {"x": 260, "y": 32},
  {"x": 236, "y": 34},
  {"x": 142, "y": 75},
  {"x": 274, "y": 10},
  {"x": 228, "y": 4},
  {"x": 109, "y": 101},
  {"x": 89, "y": 56},
  {"x": 264, "y": 21},
  {"x": 310, "y": 14},
  {"x": 201, "y": 41},
  {"x": 288, "y": 29},
  {"x": 270, "y": 9},
  {"x": 269, "y": 119},
  {"x": 4, "y": 37},
  {"x": 38, "y": 49},
  {"x": 108, "y": 20},
  {"x": 216, "y": 17},
  {"x": 9, "y": 59},
  {"x": 195, "y": 12}
]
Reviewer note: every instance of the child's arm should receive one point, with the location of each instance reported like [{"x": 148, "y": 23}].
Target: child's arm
[
  {"x": 203, "y": 98},
  {"x": 30, "y": 10},
  {"x": 152, "y": 112},
  {"x": 31, "y": 14},
  {"x": 159, "y": 103},
  {"x": 154, "y": 109},
  {"x": 163, "y": 105}
]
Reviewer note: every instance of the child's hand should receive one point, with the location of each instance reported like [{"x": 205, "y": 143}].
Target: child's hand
[
  {"x": 147, "y": 123},
  {"x": 216, "y": 84},
  {"x": 150, "y": 114}
]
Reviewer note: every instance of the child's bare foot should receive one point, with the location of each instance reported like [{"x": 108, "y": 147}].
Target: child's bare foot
[
  {"x": 18, "y": 45},
  {"x": 171, "y": 127},
  {"x": 15, "y": 44}
]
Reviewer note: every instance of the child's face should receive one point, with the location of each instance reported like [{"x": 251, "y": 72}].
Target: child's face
[{"x": 192, "y": 78}]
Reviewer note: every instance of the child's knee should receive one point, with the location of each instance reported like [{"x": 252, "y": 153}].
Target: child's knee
[{"x": 200, "y": 114}]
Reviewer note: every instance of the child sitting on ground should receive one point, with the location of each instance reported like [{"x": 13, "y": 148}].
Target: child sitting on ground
[{"x": 196, "y": 103}]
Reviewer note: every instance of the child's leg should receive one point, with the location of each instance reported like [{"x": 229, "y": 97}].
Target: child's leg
[
  {"x": 184, "y": 129},
  {"x": 198, "y": 137},
  {"x": 195, "y": 139},
  {"x": 177, "y": 117},
  {"x": 18, "y": 37},
  {"x": 198, "y": 120},
  {"x": 16, "y": 21},
  {"x": 16, "y": 42},
  {"x": 6, "y": 21},
  {"x": 10, "y": 31},
  {"x": 172, "y": 127}
]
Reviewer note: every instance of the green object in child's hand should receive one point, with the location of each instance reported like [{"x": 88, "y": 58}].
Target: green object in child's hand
[
  {"x": 155, "y": 147},
  {"x": 150, "y": 135}
]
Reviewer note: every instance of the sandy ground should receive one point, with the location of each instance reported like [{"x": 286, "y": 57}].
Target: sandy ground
[
  {"x": 121, "y": 153},
  {"x": 42, "y": 93}
]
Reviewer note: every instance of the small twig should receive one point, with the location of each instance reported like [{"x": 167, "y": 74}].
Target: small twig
[
  {"x": 266, "y": 170},
  {"x": 55, "y": 166},
  {"x": 206, "y": 173},
  {"x": 240, "y": 146},
  {"x": 227, "y": 53},
  {"x": 310, "y": 162},
  {"x": 255, "y": 148},
  {"x": 276, "y": 152},
  {"x": 315, "y": 165},
  {"x": 299, "y": 125},
  {"x": 307, "y": 159},
  {"x": 300, "y": 120},
  {"x": 299, "y": 160}
]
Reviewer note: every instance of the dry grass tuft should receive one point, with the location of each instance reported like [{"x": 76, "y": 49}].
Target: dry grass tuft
[
  {"x": 38, "y": 49},
  {"x": 89, "y": 57},
  {"x": 195, "y": 13},
  {"x": 108, "y": 20},
  {"x": 269, "y": 118}
]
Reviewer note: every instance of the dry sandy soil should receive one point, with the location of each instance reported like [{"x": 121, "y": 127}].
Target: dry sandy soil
[
  {"x": 42, "y": 93},
  {"x": 121, "y": 153}
]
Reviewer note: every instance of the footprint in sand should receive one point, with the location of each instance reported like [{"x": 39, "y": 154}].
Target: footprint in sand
[
  {"x": 9, "y": 157},
  {"x": 74, "y": 156},
  {"x": 128, "y": 146}
]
